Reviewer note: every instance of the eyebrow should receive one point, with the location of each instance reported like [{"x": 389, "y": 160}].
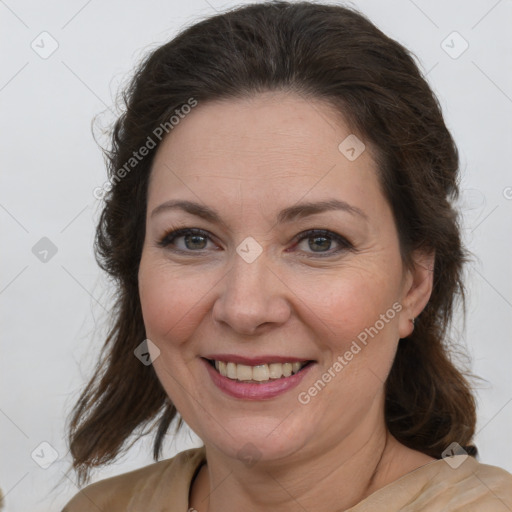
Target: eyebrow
[{"x": 289, "y": 214}]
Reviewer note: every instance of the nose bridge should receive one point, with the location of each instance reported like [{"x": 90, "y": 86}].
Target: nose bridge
[
  {"x": 248, "y": 277},
  {"x": 251, "y": 295}
]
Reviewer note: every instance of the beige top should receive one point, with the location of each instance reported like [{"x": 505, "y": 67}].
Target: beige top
[{"x": 436, "y": 487}]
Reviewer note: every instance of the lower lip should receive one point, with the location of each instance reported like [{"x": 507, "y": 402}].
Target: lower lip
[{"x": 255, "y": 391}]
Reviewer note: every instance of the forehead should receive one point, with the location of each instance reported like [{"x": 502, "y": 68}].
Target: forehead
[{"x": 265, "y": 148}]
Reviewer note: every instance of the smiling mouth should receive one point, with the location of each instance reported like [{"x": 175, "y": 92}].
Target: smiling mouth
[{"x": 257, "y": 373}]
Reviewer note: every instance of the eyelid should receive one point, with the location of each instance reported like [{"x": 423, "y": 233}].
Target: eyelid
[
  {"x": 174, "y": 233},
  {"x": 342, "y": 241}
]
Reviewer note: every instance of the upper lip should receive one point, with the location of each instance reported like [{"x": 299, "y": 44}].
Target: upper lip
[{"x": 254, "y": 361}]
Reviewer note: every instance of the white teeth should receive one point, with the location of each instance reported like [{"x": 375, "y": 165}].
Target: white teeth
[
  {"x": 231, "y": 370},
  {"x": 259, "y": 373},
  {"x": 275, "y": 370},
  {"x": 243, "y": 372}
]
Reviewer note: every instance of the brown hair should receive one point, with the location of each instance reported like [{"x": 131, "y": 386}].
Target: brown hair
[{"x": 326, "y": 52}]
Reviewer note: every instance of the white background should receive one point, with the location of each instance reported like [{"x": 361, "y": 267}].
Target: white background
[{"x": 54, "y": 313}]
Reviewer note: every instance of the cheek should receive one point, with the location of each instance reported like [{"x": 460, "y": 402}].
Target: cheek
[
  {"x": 169, "y": 299},
  {"x": 352, "y": 301},
  {"x": 354, "y": 317},
  {"x": 173, "y": 299},
  {"x": 355, "y": 322}
]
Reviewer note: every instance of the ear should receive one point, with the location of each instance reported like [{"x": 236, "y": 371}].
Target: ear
[{"x": 417, "y": 288}]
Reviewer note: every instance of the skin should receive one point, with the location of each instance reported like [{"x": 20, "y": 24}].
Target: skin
[{"x": 248, "y": 159}]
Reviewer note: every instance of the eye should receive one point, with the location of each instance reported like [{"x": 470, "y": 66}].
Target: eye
[
  {"x": 194, "y": 240},
  {"x": 319, "y": 241}
]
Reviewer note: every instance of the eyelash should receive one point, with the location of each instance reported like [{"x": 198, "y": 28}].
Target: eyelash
[{"x": 345, "y": 245}]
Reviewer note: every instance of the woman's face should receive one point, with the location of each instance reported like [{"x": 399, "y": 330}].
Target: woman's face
[{"x": 252, "y": 286}]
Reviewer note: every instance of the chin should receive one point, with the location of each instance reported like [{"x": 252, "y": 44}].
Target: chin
[{"x": 257, "y": 439}]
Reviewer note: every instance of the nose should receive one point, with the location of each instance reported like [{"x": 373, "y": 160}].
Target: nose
[{"x": 252, "y": 297}]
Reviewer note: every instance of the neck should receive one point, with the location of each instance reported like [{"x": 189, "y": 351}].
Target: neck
[{"x": 336, "y": 477}]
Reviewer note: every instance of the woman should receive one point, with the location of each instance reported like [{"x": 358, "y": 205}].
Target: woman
[{"x": 280, "y": 229}]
